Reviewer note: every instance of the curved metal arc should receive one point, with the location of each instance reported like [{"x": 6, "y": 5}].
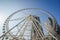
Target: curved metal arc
[{"x": 46, "y": 12}]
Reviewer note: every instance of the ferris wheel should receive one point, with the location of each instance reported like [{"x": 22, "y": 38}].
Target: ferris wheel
[{"x": 29, "y": 24}]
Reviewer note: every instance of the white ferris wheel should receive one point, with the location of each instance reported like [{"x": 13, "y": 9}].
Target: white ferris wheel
[{"x": 29, "y": 24}]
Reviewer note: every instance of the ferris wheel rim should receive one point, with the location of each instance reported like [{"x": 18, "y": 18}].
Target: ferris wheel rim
[{"x": 46, "y": 12}]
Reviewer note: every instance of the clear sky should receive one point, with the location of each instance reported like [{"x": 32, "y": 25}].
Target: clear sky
[{"x": 7, "y": 7}]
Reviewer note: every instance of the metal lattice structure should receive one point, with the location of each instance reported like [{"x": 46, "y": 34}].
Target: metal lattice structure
[{"x": 29, "y": 26}]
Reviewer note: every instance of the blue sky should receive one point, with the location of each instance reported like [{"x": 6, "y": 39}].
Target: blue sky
[{"x": 8, "y": 7}]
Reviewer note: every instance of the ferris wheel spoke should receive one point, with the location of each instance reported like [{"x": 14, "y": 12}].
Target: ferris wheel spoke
[
  {"x": 17, "y": 19},
  {"x": 22, "y": 33},
  {"x": 20, "y": 28},
  {"x": 20, "y": 22},
  {"x": 12, "y": 28}
]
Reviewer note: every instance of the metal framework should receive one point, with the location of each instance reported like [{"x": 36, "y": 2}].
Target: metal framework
[{"x": 29, "y": 27}]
